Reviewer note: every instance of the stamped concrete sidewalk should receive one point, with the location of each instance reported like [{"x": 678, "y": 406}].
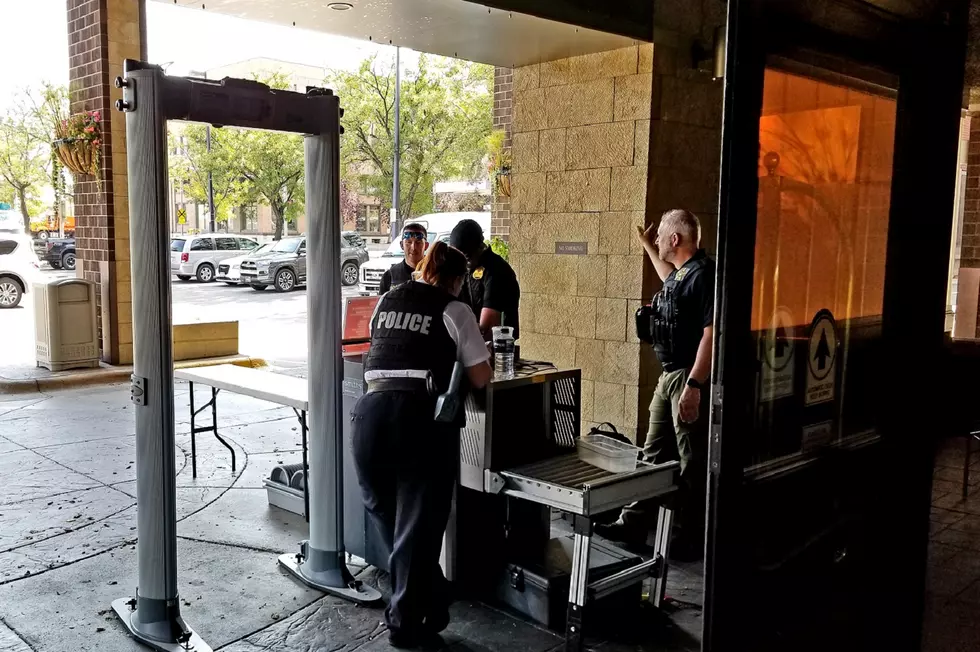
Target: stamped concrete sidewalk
[{"x": 68, "y": 534}]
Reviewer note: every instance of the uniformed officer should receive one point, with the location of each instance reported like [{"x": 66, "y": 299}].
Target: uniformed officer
[
  {"x": 492, "y": 289},
  {"x": 679, "y": 324},
  {"x": 414, "y": 244},
  {"x": 406, "y": 460}
]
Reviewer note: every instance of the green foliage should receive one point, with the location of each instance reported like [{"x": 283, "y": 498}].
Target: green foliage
[
  {"x": 446, "y": 114},
  {"x": 194, "y": 162},
  {"x": 26, "y": 132},
  {"x": 500, "y": 247}
]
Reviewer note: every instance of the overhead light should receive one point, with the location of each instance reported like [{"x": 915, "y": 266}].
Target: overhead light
[{"x": 340, "y": 6}]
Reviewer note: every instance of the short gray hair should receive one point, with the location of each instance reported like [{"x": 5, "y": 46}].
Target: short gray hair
[{"x": 683, "y": 222}]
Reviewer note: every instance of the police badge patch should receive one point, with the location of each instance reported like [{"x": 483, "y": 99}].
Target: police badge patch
[
  {"x": 478, "y": 273},
  {"x": 681, "y": 273}
]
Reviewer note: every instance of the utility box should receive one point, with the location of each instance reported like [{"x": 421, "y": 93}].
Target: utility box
[{"x": 65, "y": 328}]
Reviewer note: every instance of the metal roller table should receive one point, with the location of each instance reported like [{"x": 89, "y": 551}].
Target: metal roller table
[{"x": 519, "y": 445}]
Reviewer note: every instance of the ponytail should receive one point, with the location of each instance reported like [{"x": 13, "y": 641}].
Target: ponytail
[{"x": 442, "y": 266}]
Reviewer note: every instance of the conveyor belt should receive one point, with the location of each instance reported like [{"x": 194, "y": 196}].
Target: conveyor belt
[{"x": 565, "y": 482}]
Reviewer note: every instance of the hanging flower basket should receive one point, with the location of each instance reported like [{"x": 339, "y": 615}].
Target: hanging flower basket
[
  {"x": 502, "y": 182},
  {"x": 79, "y": 156},
  {"x": 78, "y": 143}
]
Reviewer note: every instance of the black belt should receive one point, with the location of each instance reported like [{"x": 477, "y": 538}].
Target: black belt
[{"x": 398, "y": 385}]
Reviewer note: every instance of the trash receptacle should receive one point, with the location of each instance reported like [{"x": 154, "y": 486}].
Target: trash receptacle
[{"x": 65, "y": 328}]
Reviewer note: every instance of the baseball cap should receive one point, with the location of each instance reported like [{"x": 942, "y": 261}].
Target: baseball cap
[{"x": 467, "y": 236}]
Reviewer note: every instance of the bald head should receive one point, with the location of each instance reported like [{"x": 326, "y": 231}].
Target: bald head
[{"x": 679, "y": 235}]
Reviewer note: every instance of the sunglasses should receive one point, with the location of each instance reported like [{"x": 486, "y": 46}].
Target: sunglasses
[{"x": 413, "y": 235}]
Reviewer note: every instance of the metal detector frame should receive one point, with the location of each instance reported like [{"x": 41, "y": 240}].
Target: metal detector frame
[{"x": 150, "y": 100}]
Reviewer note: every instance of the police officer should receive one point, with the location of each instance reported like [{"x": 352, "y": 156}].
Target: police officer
[
  {"x": 414, "y": 244},
  {"x": 679, "y": 324},
  {"x": 491, "y": 289},
  {"x": 406, "y": 460}
]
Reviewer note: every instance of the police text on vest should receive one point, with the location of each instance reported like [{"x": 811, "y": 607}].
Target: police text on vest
[{"x": 405, "y": 321}]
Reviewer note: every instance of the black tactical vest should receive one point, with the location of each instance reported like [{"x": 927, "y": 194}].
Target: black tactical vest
[
  {"x": 676, "y": 335},
  {"x": 408, "y": 332},
  {"x": 400, "y": 273}
]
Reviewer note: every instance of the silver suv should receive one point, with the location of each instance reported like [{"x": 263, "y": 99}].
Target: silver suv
[
  {"x": 199, "y": 255},
  {"x": 284, "y": 265}
]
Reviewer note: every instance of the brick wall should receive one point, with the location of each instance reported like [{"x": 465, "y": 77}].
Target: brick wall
[
  {"x": 503, "y": 115},
  {"x": 588, "y": 167},
  {"x": 101, "y": 33}
]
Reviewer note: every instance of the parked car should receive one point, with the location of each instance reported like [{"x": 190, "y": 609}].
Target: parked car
[
  {"x": 230, "y": 270},
  {"x": 438, "y": 225},
  {"x": 19, "y": 268},
  {"x": 57, "y": 252},
  {"x": 284, "y": 265},
  {"x": 199, "y": 255}
]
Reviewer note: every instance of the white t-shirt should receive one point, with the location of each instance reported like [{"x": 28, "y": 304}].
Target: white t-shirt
[{"x": 462, "y": 326}]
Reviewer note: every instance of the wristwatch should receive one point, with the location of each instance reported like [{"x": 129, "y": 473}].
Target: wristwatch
[{"x": 691, "y": 382}]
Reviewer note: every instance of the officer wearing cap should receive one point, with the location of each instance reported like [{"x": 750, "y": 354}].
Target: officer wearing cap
[
  {"x": 679, "y": 324},
  {"x": 413, "y": 243},
  {"x": 491, "y": 288}
]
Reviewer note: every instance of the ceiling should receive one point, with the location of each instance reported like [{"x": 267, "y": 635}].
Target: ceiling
[{"x": 463, "y": 29}]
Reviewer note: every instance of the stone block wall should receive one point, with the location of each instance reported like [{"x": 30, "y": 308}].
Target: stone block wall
[
  {"x": 101, "y": 34},
  {"x": 588, "y": 169}
]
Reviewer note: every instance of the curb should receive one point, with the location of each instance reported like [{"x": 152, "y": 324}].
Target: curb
[{"x": 111, "y": 375}]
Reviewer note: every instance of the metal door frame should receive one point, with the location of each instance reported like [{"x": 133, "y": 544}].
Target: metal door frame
[{"x": 925, "y": 52}]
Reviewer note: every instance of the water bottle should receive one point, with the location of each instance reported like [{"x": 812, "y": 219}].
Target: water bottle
[{"x": 503, "y": 352}]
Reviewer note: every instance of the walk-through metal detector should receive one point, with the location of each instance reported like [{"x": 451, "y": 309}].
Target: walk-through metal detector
[{"x": 150, "y": 99}]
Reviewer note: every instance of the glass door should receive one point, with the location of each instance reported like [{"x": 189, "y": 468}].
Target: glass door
[{"x": 819, "y": 463}]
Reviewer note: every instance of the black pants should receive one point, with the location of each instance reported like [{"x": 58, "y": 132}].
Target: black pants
[{"x": 406, "y": 466}]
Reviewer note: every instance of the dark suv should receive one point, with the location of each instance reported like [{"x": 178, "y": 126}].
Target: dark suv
[{"x": 57, "y": 252}]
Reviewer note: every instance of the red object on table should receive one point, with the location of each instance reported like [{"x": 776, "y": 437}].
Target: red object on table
[{"x": 357, "y": 324}]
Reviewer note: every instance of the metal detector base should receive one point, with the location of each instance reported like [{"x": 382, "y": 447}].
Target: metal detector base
[
  {"x": 196, "y": 644},
  {"x": 362, "y": 595}
]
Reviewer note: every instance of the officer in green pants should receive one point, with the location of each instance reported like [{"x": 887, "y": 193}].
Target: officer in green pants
[{"x": 679, "y": 324}]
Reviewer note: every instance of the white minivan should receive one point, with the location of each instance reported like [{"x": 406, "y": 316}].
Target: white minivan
[
  {"x": 199, "y": 255},
  {"x": 437, "y": 225}
]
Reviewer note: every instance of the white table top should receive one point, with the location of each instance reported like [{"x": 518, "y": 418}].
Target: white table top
[{"x": 276, "y": 388}]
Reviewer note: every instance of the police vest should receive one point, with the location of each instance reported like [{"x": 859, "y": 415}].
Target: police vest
[
  {"x": 408, "y": 332},
  {"x": 400, "y": 273},
  {"x": 675, "y": 336}
]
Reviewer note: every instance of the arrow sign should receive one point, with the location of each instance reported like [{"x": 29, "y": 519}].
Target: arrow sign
[
  {"x": 781, "y": 341},
  {"x": 776, "y": 352},
  {"x": 823, "y": 345},
  {"x": 823, "y": 351}
]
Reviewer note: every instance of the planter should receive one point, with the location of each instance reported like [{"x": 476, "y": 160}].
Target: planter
[
  {"x": 503, "y": 183},
  {"x": 79, "y": 156}
]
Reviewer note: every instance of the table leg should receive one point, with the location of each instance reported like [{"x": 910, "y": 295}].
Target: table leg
[
  {"x": 214, "y": 421},
  {"x": 578, "y": 585},
  {"x": 306, "y": 468},
  {"x": 658, "y": 588},
  {"x": 193, "y": 435},
  {"x": 966, "y": 464}
]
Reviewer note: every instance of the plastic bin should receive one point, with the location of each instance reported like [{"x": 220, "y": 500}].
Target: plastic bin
[{"x": 607, "y": 453}]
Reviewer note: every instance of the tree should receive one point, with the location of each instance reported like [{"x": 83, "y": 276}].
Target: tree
[
  {"x": 194, "y": 162},
  {"x": 25, "y": 145},
  {"x": 446, "y": 113}
]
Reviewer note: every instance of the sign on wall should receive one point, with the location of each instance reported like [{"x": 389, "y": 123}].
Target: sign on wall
[
  {"x": 777, "y": 356},
  {"x": 821, "y": 359}
]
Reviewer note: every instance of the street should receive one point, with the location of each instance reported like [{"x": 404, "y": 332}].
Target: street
[{"x": 271, "y": 325}]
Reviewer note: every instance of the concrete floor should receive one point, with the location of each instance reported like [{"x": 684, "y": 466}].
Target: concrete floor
[{"x": 68, "y": 534}]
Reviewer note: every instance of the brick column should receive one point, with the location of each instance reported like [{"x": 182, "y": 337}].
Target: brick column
[
  {"x": 101, "y": 34},
  {"x": 503, "y": 116}
]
